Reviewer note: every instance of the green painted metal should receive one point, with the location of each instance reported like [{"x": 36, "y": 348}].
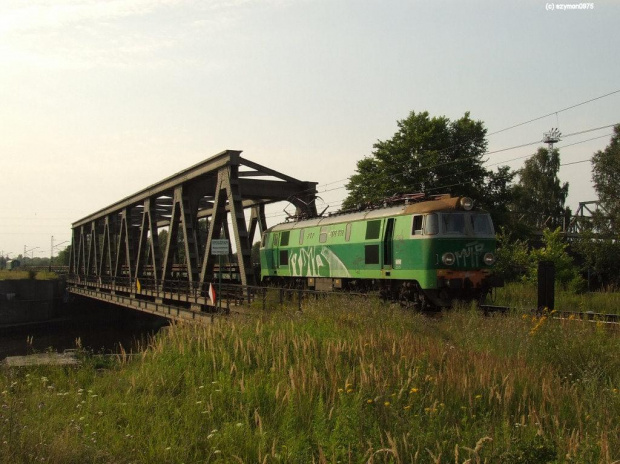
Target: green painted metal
[{"x": 380, "y": 245}]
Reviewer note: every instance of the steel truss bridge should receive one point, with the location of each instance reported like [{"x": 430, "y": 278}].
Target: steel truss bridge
[
  {"x": 573, "y": 226},
  {"x": 116, "y": 254}
]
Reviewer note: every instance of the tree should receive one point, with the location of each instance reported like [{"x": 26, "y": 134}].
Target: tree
[
  {"x": 538, "y": 194},
  {"x": 555, "y": 249},
  {"x": 606, "y": 176},
  {"x": 62, "y": 259},
  {"x": 498, "y": 194},
  {"x": 601, "y": 258},
  {"x": 427, "y": 154},
  {"x": 601, "y": 248},
  {"x": 513, "y": 259}
]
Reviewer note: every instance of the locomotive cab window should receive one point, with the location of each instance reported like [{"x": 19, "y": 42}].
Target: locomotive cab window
[
  {"x": 478, "y": 224},
  {"x": 284, "y": 238},
  {"x": 372, "y": 230},
  {"x": 453, "y": 223},
  {"x": 431, "y": 224},
  {"x": 417, "y": 225},
  {"x": 263, "y": 241},
  {"x": 482, "y": 224},
  {"x": 371, "y": 254}
]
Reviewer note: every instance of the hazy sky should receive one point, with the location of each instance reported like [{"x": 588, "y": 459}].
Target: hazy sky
[{"x": 99, "y": 99}]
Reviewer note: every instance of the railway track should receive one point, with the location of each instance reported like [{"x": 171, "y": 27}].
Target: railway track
[{"x": 589, "y": 316}]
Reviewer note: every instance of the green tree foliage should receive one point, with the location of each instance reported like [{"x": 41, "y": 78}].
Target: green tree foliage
[
  {"x": 498, "y": 194},
  {"x": 601, "y": 248},
  {"x": 513, "y": 259},
  {"x": 606, "y": 178},
  {"x": 601, "y": 260},
  {"x": 555, "y": 249},
  {"x": 538, "y": 195},
  {"x": 516, "y": 261},
  {"x": 62, "y": 259},
  {"x": 426, "y": 154}
]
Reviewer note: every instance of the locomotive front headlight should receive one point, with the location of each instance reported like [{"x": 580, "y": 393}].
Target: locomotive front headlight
[
  {"x": 489, "y": 259},
  {"x": 448, "y": 258},
  {"x": 467, "y": 203}
]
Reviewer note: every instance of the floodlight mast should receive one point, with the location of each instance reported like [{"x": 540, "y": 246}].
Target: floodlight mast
[{"x": 551, "y": 137}]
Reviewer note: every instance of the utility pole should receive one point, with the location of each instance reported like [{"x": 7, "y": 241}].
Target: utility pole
[
  {"x": 26, "y": 250},
  {"x": 52, "y": 246}
]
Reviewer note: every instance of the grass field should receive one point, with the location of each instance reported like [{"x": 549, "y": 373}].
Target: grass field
[
  {"x": 523, "y": 297},
  {"x": 348, "y": 380},
  {"x": 20, "y": 275}
]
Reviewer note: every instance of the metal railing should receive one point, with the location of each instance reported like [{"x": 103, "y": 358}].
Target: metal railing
[{"x": 230, "y": 294}]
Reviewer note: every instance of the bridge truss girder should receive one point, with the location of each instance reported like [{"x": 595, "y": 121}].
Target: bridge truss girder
[{"x": 120, "y": 243}]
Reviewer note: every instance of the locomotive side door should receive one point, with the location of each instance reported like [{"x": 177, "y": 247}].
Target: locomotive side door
[{"x": 388, "y": 244}]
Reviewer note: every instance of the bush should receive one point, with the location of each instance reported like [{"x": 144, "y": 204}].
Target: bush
[
  {"x": 513, "y": 260},
  {"x": 554, "y": 250}
]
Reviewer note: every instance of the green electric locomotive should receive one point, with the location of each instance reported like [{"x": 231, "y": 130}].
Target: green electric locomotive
[{"x": 425, "y": 254}]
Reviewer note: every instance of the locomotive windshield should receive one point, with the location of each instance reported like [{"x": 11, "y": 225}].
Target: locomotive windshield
[{"x": 468, "y": 223}]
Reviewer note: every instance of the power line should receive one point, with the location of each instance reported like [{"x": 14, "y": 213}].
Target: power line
[
  {"x": 384, "y": 176},
  {"x": 496, "y": 151},
  {"x": 555, "y": 112},
  {"x": 527, "y": 122},
  {"x": 577, "y": 162},
  {"x": 562, "y": 147}
]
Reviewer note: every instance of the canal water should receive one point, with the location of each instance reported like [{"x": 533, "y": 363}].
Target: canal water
[{"x": 96, "y": 326}]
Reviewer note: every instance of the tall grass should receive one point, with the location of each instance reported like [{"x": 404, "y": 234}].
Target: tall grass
[
  {"x": 524, "y": 298},
  {"x": 344, "y": 381}
]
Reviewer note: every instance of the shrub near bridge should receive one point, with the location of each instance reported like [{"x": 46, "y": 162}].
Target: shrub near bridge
[{"x": 341, "y": 382}]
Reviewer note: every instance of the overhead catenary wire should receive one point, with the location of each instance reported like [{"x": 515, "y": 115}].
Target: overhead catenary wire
[
  {"x": 383, "y": 176},
  {"x": 495, "y": 151},
  {"x": 446, "y": 163},
  {"x": 340, "y": 202},
  {"x": 514, "y": 126},
  {"x": 554, "y": 112}
]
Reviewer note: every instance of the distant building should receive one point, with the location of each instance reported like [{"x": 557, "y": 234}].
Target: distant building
[{"x": 13, "y": 264}]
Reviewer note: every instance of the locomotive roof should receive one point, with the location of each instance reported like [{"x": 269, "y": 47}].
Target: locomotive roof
[{"x": 443, "y": 204}]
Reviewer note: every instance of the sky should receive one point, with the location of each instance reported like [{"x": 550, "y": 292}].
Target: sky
[{"x": 99, "y": 99}]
